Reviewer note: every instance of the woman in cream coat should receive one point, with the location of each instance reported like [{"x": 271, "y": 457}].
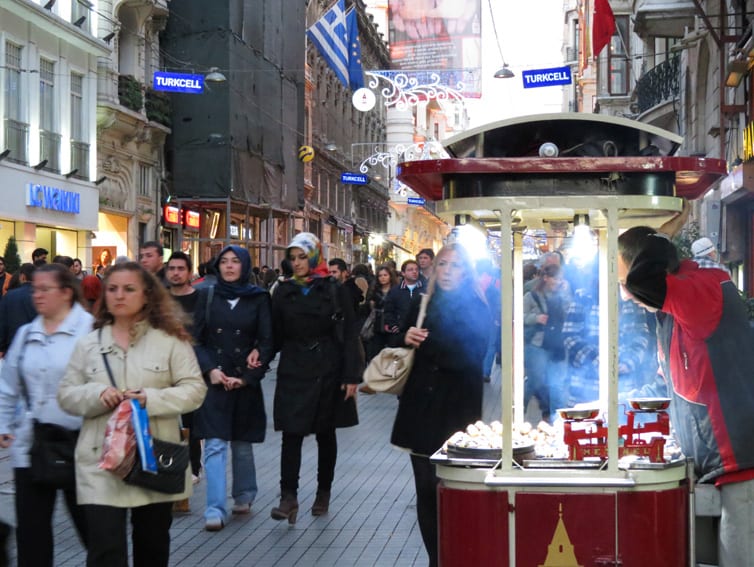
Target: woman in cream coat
[{"x": 138, "y": 328}]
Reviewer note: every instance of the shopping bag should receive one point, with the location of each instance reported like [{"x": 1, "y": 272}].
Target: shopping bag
[
  {"x": 144, "y": 444},
  {"x": 119, "y": 448}
]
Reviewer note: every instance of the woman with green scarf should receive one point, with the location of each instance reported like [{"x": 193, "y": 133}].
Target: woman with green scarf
[{"x": 321, "y": 363}]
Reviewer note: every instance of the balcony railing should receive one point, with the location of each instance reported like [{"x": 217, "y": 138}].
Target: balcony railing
[
  {"x": 660, "y": 84},
  {"x": 49, "y": 149},
  {"x": 80, "y": 159},
  {"x": 17, "y": 141}
]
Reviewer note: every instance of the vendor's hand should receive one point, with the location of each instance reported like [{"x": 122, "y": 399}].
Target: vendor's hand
[
  {"x": 674, "y": 225},
  {"x": 350, "y": 389},
  {"x": 140, "y": 395},
  {"x": 542, "y": 318},
  {"x": 233, "y": 383},
  {"x": 217, "y": 376},
  {"x": 6, "y": 440},
  {"x": 111, "y": 397},
  {"x": 252, "y": 361},
  {"x": 415, "y": 336}
]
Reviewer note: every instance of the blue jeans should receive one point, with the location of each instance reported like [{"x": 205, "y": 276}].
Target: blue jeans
[{"x": 244, "y": 475}]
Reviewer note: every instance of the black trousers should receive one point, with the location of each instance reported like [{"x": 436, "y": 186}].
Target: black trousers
[
  {"x": 108, "y": 534},
  {"x": 426, "y": 482},
  {"x": 35, "y": 505},
  {"x": 195, "y": 445},
  {"x": 290, "y": 460}
]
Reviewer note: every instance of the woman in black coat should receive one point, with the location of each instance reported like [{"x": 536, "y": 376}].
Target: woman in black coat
[
  {"x": 443, "y": 394},
  {"x": 233, "y": 335},
  {"x": 320, "y": 365}
]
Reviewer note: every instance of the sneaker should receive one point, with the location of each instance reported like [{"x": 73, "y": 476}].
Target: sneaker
[
  {"x": 241, "y": 509},
  {"x": 213, "y": 524}
]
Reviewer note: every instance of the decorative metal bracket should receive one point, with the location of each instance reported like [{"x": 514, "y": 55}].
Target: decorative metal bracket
[{"x": 404, "y": 89}]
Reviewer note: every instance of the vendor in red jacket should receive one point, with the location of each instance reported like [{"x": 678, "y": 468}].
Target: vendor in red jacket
[{"x": 706, "y": 351}]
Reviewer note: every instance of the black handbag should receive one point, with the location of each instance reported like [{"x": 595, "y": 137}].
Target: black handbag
[
  {"x": 172, "y": 461},
  {"x": 52, "y": 455},
  {"x": 53, "y": 446}
]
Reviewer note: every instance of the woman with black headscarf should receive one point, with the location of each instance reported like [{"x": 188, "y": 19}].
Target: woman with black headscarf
[{"x": 233, "y": 334}]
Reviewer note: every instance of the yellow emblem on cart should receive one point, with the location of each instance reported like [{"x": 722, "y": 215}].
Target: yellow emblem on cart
[{"x": 560, "y": 551}]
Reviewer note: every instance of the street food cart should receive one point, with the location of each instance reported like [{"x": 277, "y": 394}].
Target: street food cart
[{"x": 615, "y": 497}]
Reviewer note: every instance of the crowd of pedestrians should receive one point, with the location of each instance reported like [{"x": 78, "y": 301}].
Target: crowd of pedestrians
[{"x": 194, "y": 352}]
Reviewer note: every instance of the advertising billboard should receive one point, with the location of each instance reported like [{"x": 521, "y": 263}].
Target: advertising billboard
[{"x": 443, "y": 36}]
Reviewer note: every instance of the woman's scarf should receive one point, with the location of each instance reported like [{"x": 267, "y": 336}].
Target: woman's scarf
[
  {"x": 313, "y": 248},
  {"x": 241, "y": 287}
]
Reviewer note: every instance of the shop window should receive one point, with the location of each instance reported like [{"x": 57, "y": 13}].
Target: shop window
[
  {"x": 16, "y": 128},
  {"x": 49, "y": 139}
]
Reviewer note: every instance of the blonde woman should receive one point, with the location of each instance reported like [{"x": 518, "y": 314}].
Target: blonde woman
[{"x": 139, "y": 334}]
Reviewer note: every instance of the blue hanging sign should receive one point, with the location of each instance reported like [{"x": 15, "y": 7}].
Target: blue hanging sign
[
  {"x": 354, "y": 178},
  {"x": 546, "y": 77},
  {"x": 177, "y": 82},
  {"x": 415, "y": 201}
]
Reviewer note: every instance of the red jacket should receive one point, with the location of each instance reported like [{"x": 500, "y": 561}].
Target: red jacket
[{"x": 706, "y": 348}]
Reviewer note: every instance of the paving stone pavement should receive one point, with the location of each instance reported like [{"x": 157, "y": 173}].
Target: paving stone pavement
[{"x": 372, "y": 517}]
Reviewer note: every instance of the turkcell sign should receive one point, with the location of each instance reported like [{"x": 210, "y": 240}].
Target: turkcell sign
[
  {"x": 177, "y": 82},
  {"x": 415, "y": 201},
  {"x": 546, "y": 77},
  {"x": 52, "y": 198},
  {"x": 354, "y": 178}
]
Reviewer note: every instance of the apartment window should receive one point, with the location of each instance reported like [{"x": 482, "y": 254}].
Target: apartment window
[
  {"x": 619, "y": 58},
  {"x": 16, "y": 131},
  {"x": 79, "y": 11},
  {"x": 49, "y": 140},
  {"x": 79, "y": 148},
  {"x": 145, "y": 180}
]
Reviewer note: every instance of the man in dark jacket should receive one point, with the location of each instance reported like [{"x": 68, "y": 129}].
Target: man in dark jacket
[
  {"x": 16, "y": 308},
  {"x": 705, "y": 351},
  {"x": 402, "y": 298}
]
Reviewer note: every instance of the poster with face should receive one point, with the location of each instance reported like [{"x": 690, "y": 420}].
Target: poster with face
[{"x": 103, "y": 256}]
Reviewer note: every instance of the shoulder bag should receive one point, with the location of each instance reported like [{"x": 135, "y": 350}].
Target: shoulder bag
[
  {"x": 172, "y": 461},
  {"x": 388, "y": 371},
  {"x": 53, "y": 446}
]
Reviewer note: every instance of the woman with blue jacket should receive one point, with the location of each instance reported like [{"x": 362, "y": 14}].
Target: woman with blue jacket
[{"x": 33, "y": 368}]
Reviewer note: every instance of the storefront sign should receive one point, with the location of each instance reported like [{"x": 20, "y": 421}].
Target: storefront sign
[
  {"x": 171, "y": 214},
  {"x": 415, "y": 201},
  {"x": 192, "y": 219},
  {"x": 177, "y": 82},
  {"x": 52, "y": 198},
  {"x": 546, "y": 77},
  {"x": 354, "y": 178}
]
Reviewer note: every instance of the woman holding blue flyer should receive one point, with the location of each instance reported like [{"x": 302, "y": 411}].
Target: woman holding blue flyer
[{"x": 140, "y": 339}]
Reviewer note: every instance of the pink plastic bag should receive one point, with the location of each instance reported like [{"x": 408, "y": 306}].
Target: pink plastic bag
[{"x": 119, "y": 449}]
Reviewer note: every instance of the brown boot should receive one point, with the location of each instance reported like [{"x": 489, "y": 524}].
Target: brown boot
[
  {"x": 181, "y": 507},
  {"x": 287, "y": 509},
  {"x": 321, "y": 503}
]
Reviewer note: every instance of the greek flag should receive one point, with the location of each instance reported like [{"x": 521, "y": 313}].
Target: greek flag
[{"x": 338, "y": 45}]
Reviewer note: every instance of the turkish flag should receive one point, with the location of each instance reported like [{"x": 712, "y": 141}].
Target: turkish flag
[{"x": 603, "y": 26}]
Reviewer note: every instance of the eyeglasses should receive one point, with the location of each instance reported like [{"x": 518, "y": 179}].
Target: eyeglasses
[{"x": 43, "y": 289}]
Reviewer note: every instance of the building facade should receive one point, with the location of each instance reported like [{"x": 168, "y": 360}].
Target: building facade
[{"x": 48, "y": 152}]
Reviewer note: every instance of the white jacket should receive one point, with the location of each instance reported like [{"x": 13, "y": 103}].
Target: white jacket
[
  {"x": 44, "y": 360},
  {"x": 165, "y": 367}
]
